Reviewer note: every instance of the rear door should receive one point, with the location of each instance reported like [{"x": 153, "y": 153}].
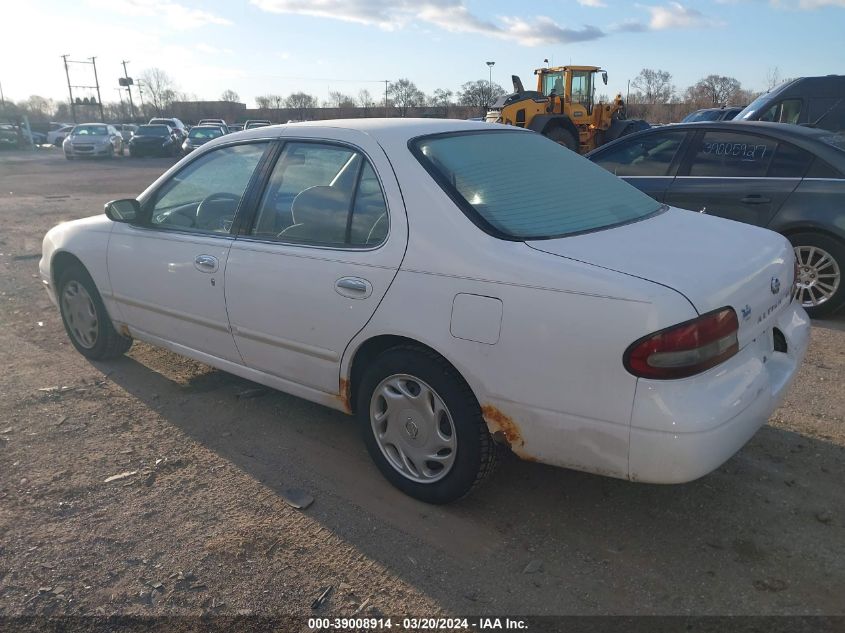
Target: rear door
[
  {"x": 734, "y": 175},
  {"x": 648, "y": 161},
  {"x": 309, "y": 271}
]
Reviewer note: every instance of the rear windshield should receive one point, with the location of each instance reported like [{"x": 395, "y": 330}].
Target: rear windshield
[
  {"x": 205, "y": 132},
  {"x": 520, "y": 185},
  {"x": 702, "y": 115},
  {"x": 153, "y": 130}
]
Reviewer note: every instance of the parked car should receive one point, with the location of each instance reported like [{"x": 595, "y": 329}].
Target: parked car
[
  {"x": 219, "y": 122},
  {"x": 813, "y": 101},
  {"x": 93, "y": 140},
  {"x": 126, "y": 130},
  {"x": 8, "y": 138},
  {"x": 199, "y": 135},
  {"x": 712, "y": 114},
  {"x": 154, "y": 140},
  {"x": 402, "y": 271},
  {"x": 786, "y": 178},
  {"x": 251, "y": 123},
  {"x": 21, "y": 134},
  {"x": 57, "y": 136},
  {"x": 174, "y": 124},
  {"x": 235, "y": 127}
]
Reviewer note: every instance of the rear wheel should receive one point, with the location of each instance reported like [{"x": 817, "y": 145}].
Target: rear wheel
[
  {"x": 821, "y": 262},
  {"x": 423, "y": 426},
  {"x": 85, "y": 318},
  {"x": 562, "y": 137}
]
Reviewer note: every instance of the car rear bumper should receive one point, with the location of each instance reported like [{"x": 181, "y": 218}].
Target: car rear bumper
[{"x": 681, "y": 430}]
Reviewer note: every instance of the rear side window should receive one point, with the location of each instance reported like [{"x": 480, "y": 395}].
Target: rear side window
[
  {"x": 729, "y": 154},
  {"x": 649, "y": 155},
  {"x": 789, "y": 162},
  {"x": 828, "y": 114},
  {"x": 521, "y": 185},
  {"x": 821, "y": 169}
]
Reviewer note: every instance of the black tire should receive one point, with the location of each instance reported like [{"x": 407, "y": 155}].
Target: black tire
[
  {"x": 562, "y": 137},
  {"x": 108, "y": 343},
  {"x": 476, "y": 454},
  {"x": 836, "y": 249}
]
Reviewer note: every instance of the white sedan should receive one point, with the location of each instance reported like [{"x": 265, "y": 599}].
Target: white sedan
[{"x": 457, "y": 286}]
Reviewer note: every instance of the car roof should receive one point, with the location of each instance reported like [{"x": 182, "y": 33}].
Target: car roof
[
  {"x": 382, "y": 130},
  {"x": 809, "y": 138}
]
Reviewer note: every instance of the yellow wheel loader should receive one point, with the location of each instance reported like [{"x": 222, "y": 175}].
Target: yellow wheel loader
[{"x": 563, "y": 108}]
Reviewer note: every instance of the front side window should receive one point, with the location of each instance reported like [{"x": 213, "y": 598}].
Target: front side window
[
  {"x": 522, "y": 186},
  {"x": 205, "y": 195},
  {"x": 323, "y": 195},
  {"x": 729, "y": 154},
  {"x": 582, "y": 87},
  {"x": 649, "y": 155},
  {"x": 786, "y": 111},
  {"x": 553, "y": 82}
]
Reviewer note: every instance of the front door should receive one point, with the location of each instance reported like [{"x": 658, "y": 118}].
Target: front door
[
  {"x": 326, "y": 243},
  {"x": 167, "y": 273}
]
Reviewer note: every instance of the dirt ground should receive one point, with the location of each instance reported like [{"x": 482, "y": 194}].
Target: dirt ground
[{"x": 201, "y": 526}]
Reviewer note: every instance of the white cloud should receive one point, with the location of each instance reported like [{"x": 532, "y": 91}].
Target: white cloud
[
  {"x": 817, "y": 4},
  {"x": 449, "y": 15},
  {"x": 674, "y": 15},
  {"x": 592, "y": 3},
  {"x": 173, "y": 15}
]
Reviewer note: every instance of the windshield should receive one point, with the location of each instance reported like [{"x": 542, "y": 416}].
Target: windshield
[
  {"x": 702, "y": 115},
  {"x": 205, "y": 133},
  {"x": 520, "y": 185},
  {"x": 752, "y": 108},
  {"x": 153, "y": 130},
  {"x": 90, "y": 130}
]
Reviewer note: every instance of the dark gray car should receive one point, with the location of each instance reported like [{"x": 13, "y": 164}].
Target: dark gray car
[{"x": 787, "y": 178}]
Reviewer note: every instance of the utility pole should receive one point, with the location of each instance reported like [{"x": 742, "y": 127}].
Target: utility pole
[
  {"x": 69, "y": 91},
  {"x": 128, "y": 89},
  {"x": 97, "y": 83},
  {"x": 490, "y": 98},
  {"x": 386, "y": 82}
]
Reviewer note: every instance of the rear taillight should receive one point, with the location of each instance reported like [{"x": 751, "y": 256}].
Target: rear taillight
[{"x": 685, "y": 349}]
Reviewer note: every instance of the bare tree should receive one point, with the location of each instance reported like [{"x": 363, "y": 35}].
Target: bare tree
[
  {"x": 39, "y": 108},
  {"x": 478, "y": 93},
  {"x": 653, "y": 86},
  {"x": 339, "y": 100},
  {"x": 302, "y": 102},
  {"x": 264, "y": 102},
  {"x": 442, "y": 98},
  {"x": 159, "y": 88},
  {"x": 366, "y": 101},
  {"x": 230, "y": 95},
  {"x": 773, "y": 78},
  {"x": 405, "y": 95},
  {"x": 713, "y": 90}
]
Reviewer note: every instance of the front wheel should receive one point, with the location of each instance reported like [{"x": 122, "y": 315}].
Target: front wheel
[
  {"x": 821, "y": 261},
  {"x": 423, "y": 426},
  {"x": 562, "y": 137},
  {"x": 85, "y": 318}
]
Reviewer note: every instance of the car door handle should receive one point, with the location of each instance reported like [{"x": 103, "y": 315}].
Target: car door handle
[
  {"x": 353, "y": 287},
  {"x": 755, "y": 199},
  {"x": 206, "y": 263}
]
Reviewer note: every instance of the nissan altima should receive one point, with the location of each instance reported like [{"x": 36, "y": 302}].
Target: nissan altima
[{"x": 459, "y": 287}]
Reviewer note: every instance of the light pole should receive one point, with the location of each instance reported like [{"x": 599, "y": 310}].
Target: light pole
[{"x": 490, "y": 98}]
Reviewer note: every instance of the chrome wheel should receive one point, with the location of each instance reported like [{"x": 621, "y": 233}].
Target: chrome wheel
[
  {"x": 80, "y": 314},
  {"x": 413, "y": 428},
  {"x": 818, "y": 276}
]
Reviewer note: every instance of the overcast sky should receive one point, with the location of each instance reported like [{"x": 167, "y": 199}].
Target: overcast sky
[{"x": 256, "y": 47}]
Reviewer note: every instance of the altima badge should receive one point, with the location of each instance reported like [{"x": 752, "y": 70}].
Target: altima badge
[{"x": 775, "y": 285}]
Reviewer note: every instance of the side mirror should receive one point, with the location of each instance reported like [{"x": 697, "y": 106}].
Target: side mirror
[
  {"x": 604, "y": 77},
  {"x": 127, "y": 210}
]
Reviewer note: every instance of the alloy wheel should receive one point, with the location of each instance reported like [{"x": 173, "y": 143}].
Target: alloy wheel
[{"x": 818, "y": 276}]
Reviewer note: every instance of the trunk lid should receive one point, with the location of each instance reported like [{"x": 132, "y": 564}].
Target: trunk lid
[{"x": 713, "y": 262}]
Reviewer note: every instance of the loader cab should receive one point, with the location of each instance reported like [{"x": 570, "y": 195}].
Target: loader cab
[{"x": 574, "y": 84}]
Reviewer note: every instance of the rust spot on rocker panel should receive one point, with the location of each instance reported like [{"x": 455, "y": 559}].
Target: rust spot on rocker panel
[
  {"x": 505, "y": 430},
  {"x": 124, "y": 330},
  {"x": 343, "y": 395}
]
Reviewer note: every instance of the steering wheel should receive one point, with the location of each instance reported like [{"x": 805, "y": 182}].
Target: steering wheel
[{"x": 207, "y": 213}]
